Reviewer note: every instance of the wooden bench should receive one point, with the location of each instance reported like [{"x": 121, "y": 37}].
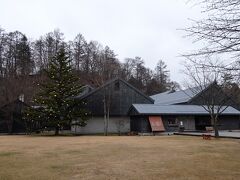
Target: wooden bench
[{"x": 209, "y": 128}]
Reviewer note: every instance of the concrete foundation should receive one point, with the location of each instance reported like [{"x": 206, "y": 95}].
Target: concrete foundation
[{"x": 95, "y": 125}]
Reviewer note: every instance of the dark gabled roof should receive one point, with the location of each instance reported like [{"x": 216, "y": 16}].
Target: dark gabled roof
[
  {"x": 167, "y": 98},
  {"x": 178, "y": 97},
  {"x": 85, "y": 90},
  {"x": 110, "y": 82},
  {"x": 153, "y": 109}
]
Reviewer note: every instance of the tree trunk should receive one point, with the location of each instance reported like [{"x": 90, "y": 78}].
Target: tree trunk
[
  {"x": 105, "y": 124},
  {"x": 105, "y": 115},
  {"x": 216, "y": 129},
  {"x": 10, "y": 122},
  {"x": 107, "y": 119},
  {"x": 56, "y": 130}
]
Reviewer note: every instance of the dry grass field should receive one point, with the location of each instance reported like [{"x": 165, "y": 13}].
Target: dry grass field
[{"x": 113, "y": 157}]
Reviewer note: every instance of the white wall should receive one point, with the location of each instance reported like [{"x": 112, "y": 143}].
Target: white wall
[{"x": 96, "y": 125}]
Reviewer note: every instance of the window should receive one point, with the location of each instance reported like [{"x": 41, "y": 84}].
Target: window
[
  {"x": 116, "y": 86},
  {"x": 172, "y": 121}
]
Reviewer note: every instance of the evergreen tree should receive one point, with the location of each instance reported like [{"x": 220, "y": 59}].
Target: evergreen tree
[{"x": 57, "y": 106}]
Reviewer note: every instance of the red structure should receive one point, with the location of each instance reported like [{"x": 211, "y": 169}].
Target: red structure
[{"x": 156, "y": 123}]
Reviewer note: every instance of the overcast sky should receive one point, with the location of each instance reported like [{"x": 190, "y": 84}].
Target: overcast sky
[{"x": 145, "y": 28}]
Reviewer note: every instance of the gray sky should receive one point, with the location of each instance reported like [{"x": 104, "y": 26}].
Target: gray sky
[{"x": 145, "y": 28}]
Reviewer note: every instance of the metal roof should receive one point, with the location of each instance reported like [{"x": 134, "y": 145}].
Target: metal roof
[
  {"x": 182, "y": 96},
  {"x": 80, "y": 97},
  {"x": 153, "y": 109},
  {"x": 85, "y": 90}
]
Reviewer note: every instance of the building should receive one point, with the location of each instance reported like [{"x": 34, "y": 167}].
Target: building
[
  {"x": 11, "y": 120},
  {"x": 185, "y": 108},
  {"x": 130, "y": 110},
  {"x": 192, "y": 117},
  {"x": 119, "y": 95}
]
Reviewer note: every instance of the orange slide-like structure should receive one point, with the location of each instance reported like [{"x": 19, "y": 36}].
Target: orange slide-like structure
[{"x": 156, "y": 123}]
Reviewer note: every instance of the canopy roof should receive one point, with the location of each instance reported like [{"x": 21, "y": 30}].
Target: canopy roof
[
  {"x": 153, "y": 109},
  {"x": 182, "y": 96}
]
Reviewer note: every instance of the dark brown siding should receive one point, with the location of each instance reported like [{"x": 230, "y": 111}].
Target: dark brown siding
[
  {"x": 140, "y": 124},
  {"x": 229, "y": 122},
  {"x": 122, "y": 96}
]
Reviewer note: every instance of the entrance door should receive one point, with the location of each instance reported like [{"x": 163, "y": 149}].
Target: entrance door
[{"x": 201, "y": 122}]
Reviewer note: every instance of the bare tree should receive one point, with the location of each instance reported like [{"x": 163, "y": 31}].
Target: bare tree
[
  {"x": 162, "y": 74},
  {"x": 38, "y": 54},
  {"x": 219, "y": 32},
  {"x": 45, "y": 48},
  {"x": 79, "y": 51},
  {"x": 2, "y": 48},
  {"x": 135, "y": 72},
  {"x": 207, "y": 88},
  {"x": 108, "y": 67}
]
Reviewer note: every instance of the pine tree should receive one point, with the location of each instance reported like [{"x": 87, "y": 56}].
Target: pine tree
[{"x": 56, "y": 97}]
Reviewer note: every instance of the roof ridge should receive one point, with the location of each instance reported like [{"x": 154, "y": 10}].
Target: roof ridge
[{"x": 111, "y": 81}]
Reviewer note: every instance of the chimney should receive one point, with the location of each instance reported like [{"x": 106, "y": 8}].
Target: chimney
[{"x": 21, "y": 97}]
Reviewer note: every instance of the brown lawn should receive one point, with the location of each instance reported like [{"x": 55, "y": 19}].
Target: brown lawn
[{"x": 98, "y": 157}]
